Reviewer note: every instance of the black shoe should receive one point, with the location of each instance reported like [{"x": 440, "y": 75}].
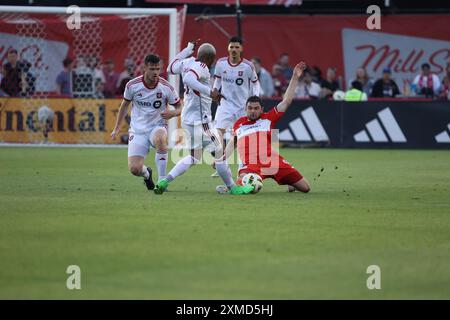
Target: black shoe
[{"x": 149, "y": 182}]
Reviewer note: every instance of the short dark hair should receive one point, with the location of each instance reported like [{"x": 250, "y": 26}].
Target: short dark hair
[
  {"x": 357, "y": 85},
  {"x": 235, "y": 39},
  {"x": 12, "y": 50},
  {"x": 152, "y": 58},
  {"x": 67, "y": 62},
  {"x": 254, "y": 99},
  {"x": 425, "y": 65}
]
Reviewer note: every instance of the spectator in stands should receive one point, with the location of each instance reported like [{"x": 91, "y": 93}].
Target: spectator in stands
[
  {"x": 64, "y": 78},
  {"x": 385, "y": 87},
  {"x": 307, "y": 88},
  {"x": 265, "y": 79},
  {"x": 365, "y": 80},
  {"x": 11, "y": 83},
  {"x": 2, "y": 93},
  {"x": 316, "y": 74},
  {"x": 330, "y": 84},
  {"x": 94, "y": 65},
  {"x": 99, "y": 89},
  {"x": 445, "y": 87},
  {"x": 286, "y": 69},
  {"x": 279, "y": 80},
  {"x": 126, "y": 75},
  {"x": 356, "y": 92},
  {"x": 426, "y": 83},
  {"x": 111, "y": 78}
]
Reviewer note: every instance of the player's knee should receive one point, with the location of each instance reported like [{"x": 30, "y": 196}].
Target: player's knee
[
  {"x": 305, "y": 187},
  {"x": 160, "y": 142}
]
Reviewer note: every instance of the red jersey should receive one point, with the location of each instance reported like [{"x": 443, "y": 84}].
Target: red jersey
[{"x": 254, "y": 139}]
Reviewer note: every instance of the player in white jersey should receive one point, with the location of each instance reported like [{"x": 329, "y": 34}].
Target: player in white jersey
[
  {"x": 149, "y": 95},
  {"x": 236, "y": 79},
  {"x": 196, "y": 114}
]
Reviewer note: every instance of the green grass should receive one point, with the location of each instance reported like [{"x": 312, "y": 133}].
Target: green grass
[{"x": 60, "y": 207}]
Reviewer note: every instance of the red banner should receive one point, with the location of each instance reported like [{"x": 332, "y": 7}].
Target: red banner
[
  {"x": 232, "y": 2},
  {"x": 318, "y": 40}
]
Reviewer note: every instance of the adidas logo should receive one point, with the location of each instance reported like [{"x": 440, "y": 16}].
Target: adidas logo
[
  {"x": 386, "y": 131},
  {"x": 443, "y": 137},
  {"x": 313, "y": 131}
]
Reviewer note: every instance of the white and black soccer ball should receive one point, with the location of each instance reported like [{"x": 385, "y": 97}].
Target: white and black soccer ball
[
  {"x": 339, "y": 95},
  {"x": 254, "y": 180},
  {"x": 45, "y": 114}
]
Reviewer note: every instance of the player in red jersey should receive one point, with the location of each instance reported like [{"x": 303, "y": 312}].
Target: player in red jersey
[{"x": 253, "y": 134}]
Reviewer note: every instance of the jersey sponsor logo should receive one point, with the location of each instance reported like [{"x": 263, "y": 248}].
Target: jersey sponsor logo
[
  {"x": 375, "y": 129},
  {"x": 138, "y": 94},
  {"x": 262, "y": 125},
  {"x": 157, "y": 104},
  {"x": 144, "y": 103},
  {"x": 131, "y": 137},
  {"x": 229, "y": 80},
  {"x": 239, "y": 81}
]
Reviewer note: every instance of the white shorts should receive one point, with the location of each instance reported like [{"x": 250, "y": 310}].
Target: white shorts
[
  {"x": 201, "y": 136},
  {"x": 225, "y": 118},
  {"x": 139, "y": 144}
]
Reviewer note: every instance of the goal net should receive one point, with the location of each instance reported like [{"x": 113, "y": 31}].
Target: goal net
[{"x": 64, "y": 69}]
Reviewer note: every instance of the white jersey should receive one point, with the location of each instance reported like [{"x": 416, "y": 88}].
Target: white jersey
[
  {"x": 148, "y": 103},
  {"x": 237, "y": 83},
  {"x": 197, "y": 105}
]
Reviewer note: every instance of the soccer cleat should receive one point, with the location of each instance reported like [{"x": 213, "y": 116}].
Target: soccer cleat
[
  {"x": 161, "y": 186},
  {"x": 149, "y": 182},
  {"x": 222, "y": 189},
  {"x": 241, "y": 189},
  {"x": 215, "y": 175}
]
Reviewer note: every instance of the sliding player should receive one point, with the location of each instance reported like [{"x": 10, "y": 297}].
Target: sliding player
[{"x": 253, "y": 134}]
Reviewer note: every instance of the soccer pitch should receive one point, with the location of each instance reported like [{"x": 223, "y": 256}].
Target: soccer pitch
[{"x": 61, "y": 207}]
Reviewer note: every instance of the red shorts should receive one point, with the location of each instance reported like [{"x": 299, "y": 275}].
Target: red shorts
[{"x": 282, "y": 173}]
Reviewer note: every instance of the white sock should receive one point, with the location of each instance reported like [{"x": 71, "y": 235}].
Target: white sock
[
  {"x": 161, "y": 164},
  {"x": 225, "y": 173},
  {"x": 181, "y": 167},
  {"x": 145, "y": 173}
]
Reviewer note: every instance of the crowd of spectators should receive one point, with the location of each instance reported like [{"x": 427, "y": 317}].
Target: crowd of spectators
[{"x": 86, "y": 76}]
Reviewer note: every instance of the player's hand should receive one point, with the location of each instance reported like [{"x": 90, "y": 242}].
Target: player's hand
[
  {"x": 299, "y": 68},
  {"x": 216, "y": 96},
  {"x": 168, "y": 114},
  {"x": 195, "y": 43},
  {"x": 114, "y": 133}
]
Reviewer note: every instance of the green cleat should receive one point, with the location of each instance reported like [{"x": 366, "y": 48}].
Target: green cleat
[
  {"x": 241, "y": 190},
  {"x": 161, "y": 186}
]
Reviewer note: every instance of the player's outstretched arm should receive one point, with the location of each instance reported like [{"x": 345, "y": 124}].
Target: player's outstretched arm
[
  {"x": 123, "y": 110},
  {"x": 290, "y": 91}
]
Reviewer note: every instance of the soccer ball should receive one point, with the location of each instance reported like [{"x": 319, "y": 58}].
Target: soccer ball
[
  {"x": 254, "y": 180},
  {"x": 339, "y": 95},
  {"x": 45, "y": 114}
]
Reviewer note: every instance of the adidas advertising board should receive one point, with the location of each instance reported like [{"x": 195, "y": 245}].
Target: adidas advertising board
[{"x": 373, "y": 124}]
